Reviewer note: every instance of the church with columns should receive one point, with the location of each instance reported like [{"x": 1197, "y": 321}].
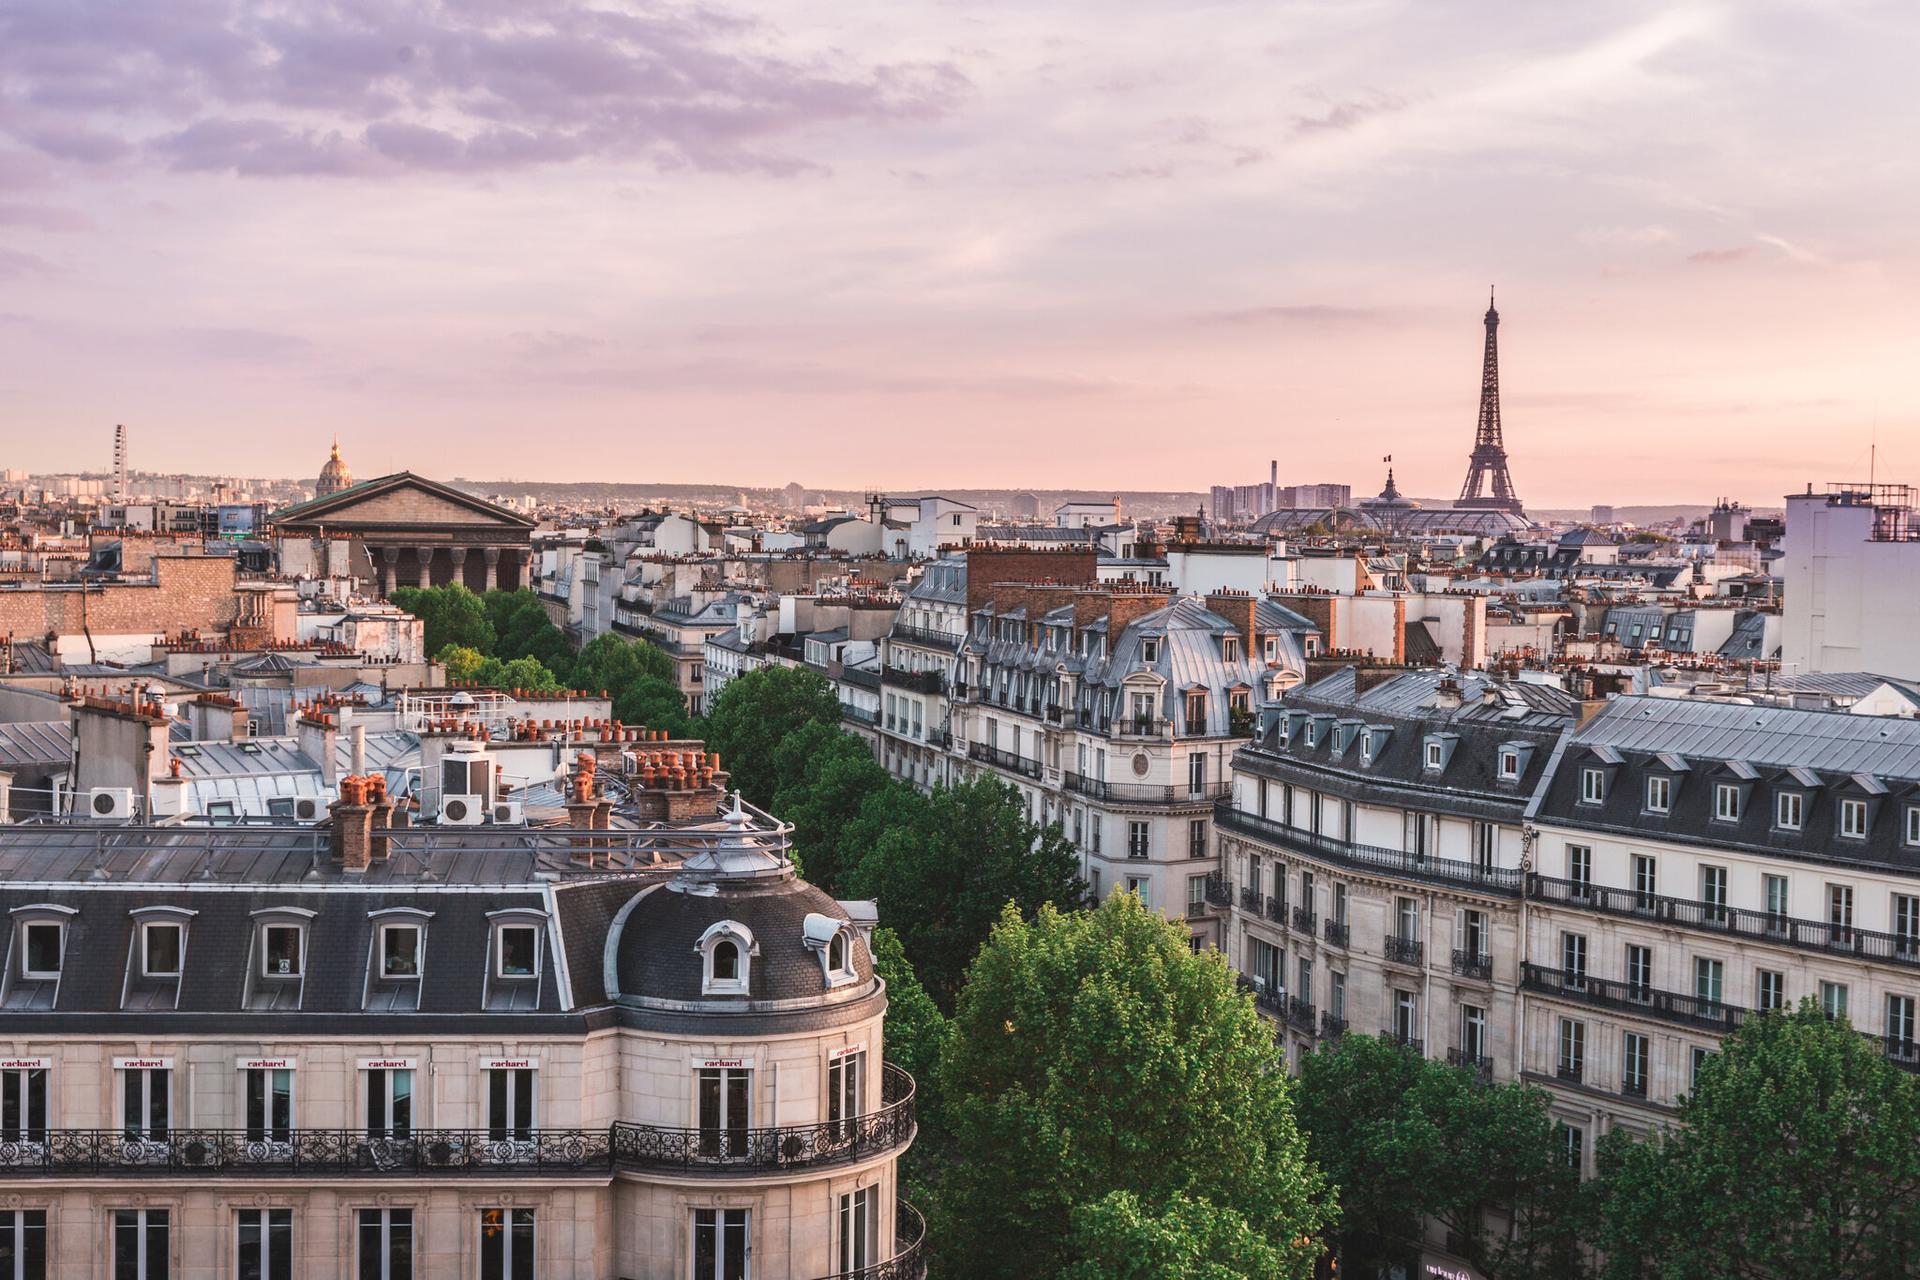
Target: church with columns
[{"x": 406, "y": 530}]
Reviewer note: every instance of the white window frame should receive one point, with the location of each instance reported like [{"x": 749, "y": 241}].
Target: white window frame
[
  {"x": 745, "y": 948},
  {"x": 1593, "y": 785},
  {"x": 384, "y": 1220},
  {"x": 143, "y": 1225},
  {"x": 857, "y": 1229},
  {"x": 26, "y": 950},
  {"x": 1659, "y": 798},
  {"x": 718, "y": 1214},
  {"x": 500, "y": 931},
  {"x": 267, "y": 929},
  {"x": 1434, "y": 757},
  {"x": 265, "y": 1224},
  {"x": 509, "y": 1219},
  {"x": 1850, "y": 810},
  {"x": 1910, "y": 832},
  {"x": 1789, "y": 810},
  {"x": 147, "y": 970},
  {"x": 1509, "y": 765},
  {"x": 1726, "y": 802},
  {"x": 419, "y": 946}
]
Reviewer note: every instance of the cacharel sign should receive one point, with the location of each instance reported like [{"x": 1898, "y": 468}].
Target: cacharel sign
[
  {"x": 143, "y": 1064},
  {"x": 265, "y": 1064},
  {"x": 509, "y": 1064},
  {"x": 387, "y": 1064},
  {"x": 26, "y": 1064}
]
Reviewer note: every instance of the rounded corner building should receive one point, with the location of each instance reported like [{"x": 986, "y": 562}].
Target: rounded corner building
[{"x": 617, "y": 1050}]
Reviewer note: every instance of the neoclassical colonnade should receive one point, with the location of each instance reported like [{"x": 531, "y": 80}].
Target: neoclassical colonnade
[{"x": 435, "y": 564}]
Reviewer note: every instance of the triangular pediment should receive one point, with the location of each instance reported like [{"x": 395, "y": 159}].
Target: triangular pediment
[{"x": 402, "y": 500}]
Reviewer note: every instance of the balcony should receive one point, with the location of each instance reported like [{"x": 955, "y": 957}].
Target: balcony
[
  {"x": 1276, "y": 910},
  {"x": 1219, "y": 892},
  {"x": 1501, "y": 881},
  {"x": 1004, "y": 760},
  {"x": 1404, "y": 950},
  {"x": 1714, "y": 1016},
  {"x": 1404, "y": 1041},
  {"x": 1336, "y": 931},
  {"x": 1709, "y": 917},
  {"x": 1304, "y": 920},
  {"x": 1142, "y": 727},
  {"x": 1469, "y": 964},
  {"x": 1634, "y": 1088},
  {"x": 1332, "y": 1027},
  {"x": 1901, "y": 1051},
  {"x": 917, "y": 681},
  {"x": 924, "y": 636},
  {"x": 1250, "y": 899},
  {"x": 865, "y": 715},
  {"x": 516, "y": 1153},
  {"x": 1570, "y": 1072},
  {"x": 1480, "y": 1067},
  {"x": 1300, "y": 1015},
  {"x": 1144, "y": 793},
  {"x": 909, "y": 1260}
]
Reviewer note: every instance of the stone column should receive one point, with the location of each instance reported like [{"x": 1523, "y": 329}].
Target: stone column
[
  {"x": 426, "y": 565},
  {"x": 389, "y": 558},
  {"x": 459, "y": 555},
  {"x": 493, "y": 567}
]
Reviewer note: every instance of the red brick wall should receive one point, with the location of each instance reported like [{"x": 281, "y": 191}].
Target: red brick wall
[
  {"x": 189, "y": 593},
  {"x": 989, "y": 565}
]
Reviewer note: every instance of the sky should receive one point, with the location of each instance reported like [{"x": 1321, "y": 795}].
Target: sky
[{"x": 1129, "y": 244}]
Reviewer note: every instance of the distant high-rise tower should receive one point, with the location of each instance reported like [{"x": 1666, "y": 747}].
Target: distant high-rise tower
[
  {"x": 1488, "y": 486},
  {"x": 119, "y": 464}
]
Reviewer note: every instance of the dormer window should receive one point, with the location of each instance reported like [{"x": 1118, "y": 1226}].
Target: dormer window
[
  {"x": 283, "y": 946},
  {"x": 837, "y": 951},
  {"x": 399, "y": 951},
  {"x": 1436, "y": 756},
  {"x": 1659, "y": 794},
  {"x": 1230, "y": 648},
  {"x": 1313, "y": 733},
  {"x": 727, "y": 951},
  {"x": 1789, "y": 808},
  {"x": 1853, "y": 819},
  {"x": 1366, "y": 746},
  {"x": 832, "y": 941},
  {"x": 1593, "y": 786},
  {"x": 43, "y": 943},
  {"x": 1911, "y": 835},
  {"x": 161, "y": 946},
  {"x": 1150, "y": 650},
  {"x": 1509, "y": 765},
  {"x": 518, "y": 949},
  {"x": 1726, "y": 802}
]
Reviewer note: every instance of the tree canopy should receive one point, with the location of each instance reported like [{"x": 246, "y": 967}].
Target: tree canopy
[
  {"x": 828, "y": 776},
  {"x": 453, "y": 614},
  {"x": 755, "y": 713},
  {"x": 1796, "y": 1155},
  {"x": 1095, "y": 1054}
]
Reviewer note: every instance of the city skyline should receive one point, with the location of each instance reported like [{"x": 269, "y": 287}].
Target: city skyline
[{"x": 965, "y": 247}]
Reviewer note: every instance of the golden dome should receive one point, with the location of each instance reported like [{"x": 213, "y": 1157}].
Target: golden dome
[{"x": 334, "y": 476}]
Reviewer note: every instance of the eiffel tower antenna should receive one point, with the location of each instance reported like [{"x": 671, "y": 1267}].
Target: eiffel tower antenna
[{"x": 1488, "y": 486}]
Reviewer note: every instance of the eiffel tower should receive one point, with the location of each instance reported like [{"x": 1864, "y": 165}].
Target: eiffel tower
[{"x": 1488, "y": 486}]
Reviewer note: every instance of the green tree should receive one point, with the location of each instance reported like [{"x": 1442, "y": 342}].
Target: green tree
[
  {"x": 1797, "y": 1155},
  {"x": 826, "y": 776},
  {"x": 943, "y": 879},
  {"x": 522, "y": 629},
  {"x": 1118, "y": 1238},
  {"x": 916, "y": 1029},
  {"x": 1094, "y": 1053},
  {"x": 656, "y": 704},
  {"x": 755, "y": 712},
  {"x": 1379, "y": 1152},
  {"x": 612, "y": 662},
  {"x": 452, "y": 614},
  {"x": 462, "y": 662}
]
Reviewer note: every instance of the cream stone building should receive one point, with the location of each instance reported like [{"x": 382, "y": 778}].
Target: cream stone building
[{"x": 648, "y": 1052}]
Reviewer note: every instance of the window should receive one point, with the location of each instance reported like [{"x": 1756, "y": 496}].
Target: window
[
  {"x": 1573, "y": 1139},
  {"x": 140, "y": 1245},
  {"x": 389, "y": 1102},
  {"x": 1407, "y": 917},
  {"x": 1141, "y": 888},
  {"x": 1639, "y": 972},
  {"x": 859, "y": 1221},
  {"x": 1699, "y": 1061},
  {"x": 160, "y": 948},
  {"x": 1486, "y": 839},
  {"x": 1580, "y": 868},
  {"x": 722, "y": 1096},
  {"x": 1339, "y": 904},
  {"x": 264, "y": 1249},
  {"x": 1406, "y": 1019},
  {"x": 43, "y": 941},
  {"x": 1473, "y": 932},
  {"x": 719, "y": 1244},
  {"x": 1573, "y": 960},
  {"x": 1900, "y": 1010},
  {"x": 23, "y": 1244},
  {"x": 1509, "y": 765},
  {"x": 1593, "y": 786},
  {"x": 1726, "y": 802},
  {"x": 1473, "y": 1033},
  {"x": 1573, "y": 1048},
  {"x": 1840, "y": 907},
  {"x": 839, "y": 955},
  {"x": 846, "y": 1091},
  {"x": 1196, "y": 713},
  {"x": 506, "y": 1244},
  {"x": 1853, "y": 819},
  {"x": 1770, "y": 990},
  {"x": 1337, "y": 994},
  {"x": 1197, "y": 838},
  {"x": 1713, "y": 894},
  {"x": 1789, "y": 810},
  {"x": 1910, "y": 831},
  {"x": 1633, "y": 1064},
  {"x": 1137, "y": 834},
  {"x": 1435, "y": 755},
  {"x": 280, "y": 956},
  {"x": 1906, "y": 924},
  {"x": 1150, "y": 650},
  {"x": 519, "y": 950},
  {"x": 146, "y": 1103},
  {"x": 510, "y": 1104},
  {"x": 1197, "y": 772},
  {"x": 1659, "y": 794},
  {"x": 1775, "y": 891},
  {"x": 1196, "y": 895},
  {"x": 385, "y": 1244},
  {"x": 269, "y": 1104},
  {"x": 23, "y": 1106},
  {"x": 399, "y": 951},
  {"x": 1708, "y": 980},
  {"x": 1646, "y": 881},
  {"x": 726, "y": 961},
  {"x": 1833, "y": 998}
]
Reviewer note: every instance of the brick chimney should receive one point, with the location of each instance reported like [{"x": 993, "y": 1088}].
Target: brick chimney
[
  {"x": 317, "y": 733},
  {"x": 352, "y": 829},
  {"x": 1319, "y": 608},
  {"x": 1236, "y": 607}
]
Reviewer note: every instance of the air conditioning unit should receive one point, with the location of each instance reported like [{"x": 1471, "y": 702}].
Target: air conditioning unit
[
  {"x": 110, "y": 804},
  {"x": 307, "y": 809},
  {"x": 463, "y": 811},
  {"x": 508, "y": 813}
]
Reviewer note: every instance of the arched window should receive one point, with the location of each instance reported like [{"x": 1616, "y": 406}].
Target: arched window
[
  {"x": 726, "y": 950},
  {"x": 726, "y": 961},
  {"x": 832, "y": 941},
  {"x": 837, "y": 952}
]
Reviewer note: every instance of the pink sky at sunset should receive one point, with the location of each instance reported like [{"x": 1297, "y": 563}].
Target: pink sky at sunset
[{"x": 1126, "y": 244}]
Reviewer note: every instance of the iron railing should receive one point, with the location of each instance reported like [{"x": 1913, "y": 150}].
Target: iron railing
[
  {"x": 1300, "y": 1014},
  {"x": 1392, "y": 1036},
  {"x": 1479, "y": 1065},
  {"x": 1276, "y": 909},
  {"x": 1404, "y": 950},
  {"x": 924, "y": 635},
  {"x": 1145, "y": 793},
  {"x": 1250, "y": 898},
  {"x": 1330, "y": 1026},
  {"x": 909, "y": 1260},
  {"x": 1004, "y": 759},
  {"x": 1669, "y": 1006},
  {"x": 1336, "y": 931},
  {"x": 1219, "y": 892},
  {"x": 918, "y": 681},
  {"x": 1469, "y": 964},
  {"x": 1503, "y": 881},
  {"x": 518, "y": 1152},
  {"x": 1303, "y": 920},
  {"x": 1711, "y": 917}
]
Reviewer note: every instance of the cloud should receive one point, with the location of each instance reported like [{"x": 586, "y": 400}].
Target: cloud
[
  {"x": 262, "y": 345},
  {"x": 1720, "y": 257},
  {"x": 552, "y": 344},
  {"x": 15, "y": 265},
  {"x": 44, "y": 218},
  {"x": 1308, "y": 315},
  {"x": 354, "y": 87},
  {"x": 1342, "y": 116}
]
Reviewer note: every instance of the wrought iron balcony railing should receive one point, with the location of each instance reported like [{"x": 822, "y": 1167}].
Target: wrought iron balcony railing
[
  {"x": 1336, "y": 931},
  {"x": 1469, "y": 964},
  {"x": 1405, "y": 1041},
  {"x": 500, "y": 1152},
  {"x": 1480, "y": 1065},
  {"x": 1300, "y": 1014},
  {"x": 924, "y": 636},
  {"x": 1404, "y": 950},
  {"x": 909, "y": 1260},
  {"x": 1219, "y": 892},
  {"x": 1304, "y": 920},
  {"x": 1330, "y": 1026},
  {"x": 1699, "y": 1011},
  {"x": 1501, "y": 881},
  {"x": 1276, "y": 909}
]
